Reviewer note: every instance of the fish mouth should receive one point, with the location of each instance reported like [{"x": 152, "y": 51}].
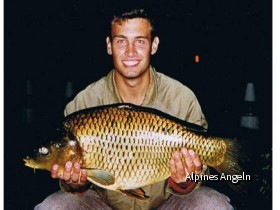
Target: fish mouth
[{"x": 29, "y": 162}]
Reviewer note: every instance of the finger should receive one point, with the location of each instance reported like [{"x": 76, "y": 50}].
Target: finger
[
  {"x": 83, "y": 178},
  {"x": 180, "y": 169},
  {"x": 54, "y": 171},
  {"x": 67, "y": 171},
  {"x": 196, "y": 162},
  {"x": 76, "y": 172},
  {"x": 173, "y": 171},
  {"x": 188, "y": 160}
]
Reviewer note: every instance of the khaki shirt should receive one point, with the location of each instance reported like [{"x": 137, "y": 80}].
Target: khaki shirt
[{"x": 164, "y": 94}]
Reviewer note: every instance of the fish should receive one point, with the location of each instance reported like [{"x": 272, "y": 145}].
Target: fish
[{"x": 125, "y": 147}]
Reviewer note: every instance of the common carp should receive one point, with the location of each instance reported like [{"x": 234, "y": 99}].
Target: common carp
[{"x": 125, "y": 147}]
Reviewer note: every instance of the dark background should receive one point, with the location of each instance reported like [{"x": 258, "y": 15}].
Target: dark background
[{"x": 52, "y": 42}]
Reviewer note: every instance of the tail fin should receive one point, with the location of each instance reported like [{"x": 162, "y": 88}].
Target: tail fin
[{"x": 231, "y": 164}]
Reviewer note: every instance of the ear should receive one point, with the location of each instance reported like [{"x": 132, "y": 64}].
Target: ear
[
  {"x": 155, "y": 44},
  {"x": 109, "y": 45}
]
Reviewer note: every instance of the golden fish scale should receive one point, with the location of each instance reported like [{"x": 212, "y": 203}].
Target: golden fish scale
[{"x": 136, "y": 146}]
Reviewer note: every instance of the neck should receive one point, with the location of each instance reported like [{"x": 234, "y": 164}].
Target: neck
[{"x": 133, "y": 90}]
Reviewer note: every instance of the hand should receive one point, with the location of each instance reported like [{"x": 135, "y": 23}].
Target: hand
[
  {"x": 73, "y": 175},
  {"x": 180, "y": 169}
]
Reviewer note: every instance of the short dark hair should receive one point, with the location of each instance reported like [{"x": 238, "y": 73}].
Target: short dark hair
[{"x": 131, "y": 13}]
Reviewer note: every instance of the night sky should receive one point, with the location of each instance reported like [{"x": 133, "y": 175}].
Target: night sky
[{"x": 52, "y": 42}]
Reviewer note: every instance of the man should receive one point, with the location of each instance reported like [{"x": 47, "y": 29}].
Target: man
[{"x": 133, "y": 80}]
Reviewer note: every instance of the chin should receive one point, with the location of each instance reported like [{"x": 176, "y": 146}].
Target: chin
[
  {"x": 129, "y": 72},
  {"x": 132, "y": 75}
]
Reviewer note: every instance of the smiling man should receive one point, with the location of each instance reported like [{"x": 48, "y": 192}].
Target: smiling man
[
  {"x": 133, "y": 80},
  {"x": 131, "y": 44}
]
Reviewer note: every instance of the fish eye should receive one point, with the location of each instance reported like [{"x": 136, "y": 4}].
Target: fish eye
[
  {"x": 72, "y": 143},
  {"x": 44, "y": 151}
]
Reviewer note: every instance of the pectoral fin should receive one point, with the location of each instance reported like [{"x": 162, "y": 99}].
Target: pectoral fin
[
  {"x": 101, "y": 177},
  {"x": 138, "y": 193}
]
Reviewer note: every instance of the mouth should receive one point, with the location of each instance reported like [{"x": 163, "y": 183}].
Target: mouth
[
  {"x": 131, "y": 63},
  {"x": 28, "y": 162}
]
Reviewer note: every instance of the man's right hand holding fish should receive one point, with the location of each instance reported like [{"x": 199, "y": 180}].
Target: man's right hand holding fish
[{"x": 72, "y": 175}]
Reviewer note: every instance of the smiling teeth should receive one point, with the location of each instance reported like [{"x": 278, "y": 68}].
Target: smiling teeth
[{"x": 130, "y": 63}]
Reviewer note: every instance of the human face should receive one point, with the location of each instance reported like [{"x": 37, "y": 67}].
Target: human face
[{"x": 131, "y": 47}]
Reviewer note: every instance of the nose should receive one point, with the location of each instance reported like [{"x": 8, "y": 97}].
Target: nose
[{"x": 130, "y": 50}]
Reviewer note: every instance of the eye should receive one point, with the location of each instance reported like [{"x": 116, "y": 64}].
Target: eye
[
  {"x": 44, "y": 151},
  {"x": 72, "y": 143},
  {"x": 120, "y": 41},
  {"x": 140, "y": 41}
]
